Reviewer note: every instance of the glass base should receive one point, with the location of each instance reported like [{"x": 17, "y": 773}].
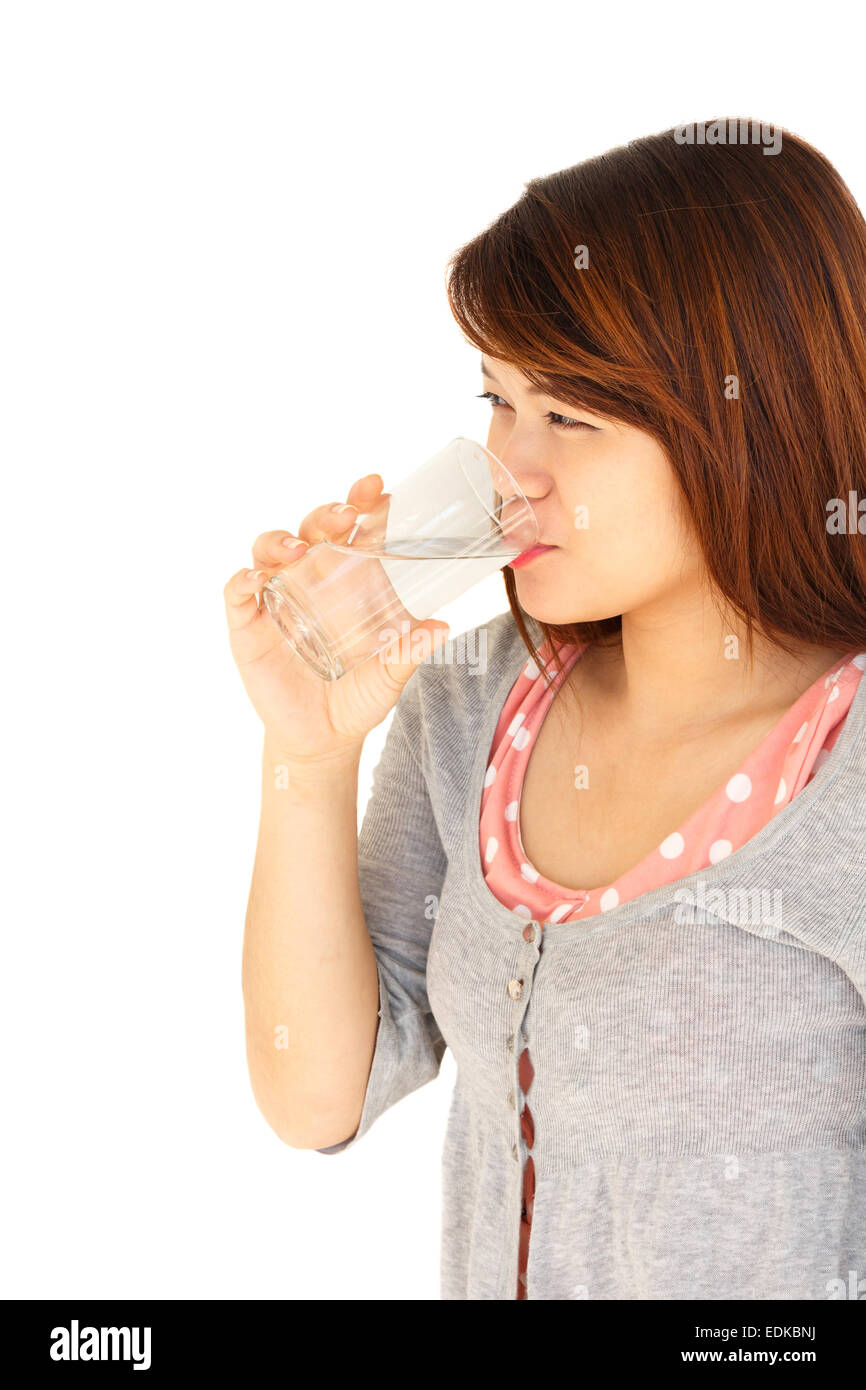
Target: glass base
[{"x": 302, "y": 632}]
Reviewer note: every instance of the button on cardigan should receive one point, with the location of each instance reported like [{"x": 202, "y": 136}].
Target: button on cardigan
[{"x": 699, "y": 1082}]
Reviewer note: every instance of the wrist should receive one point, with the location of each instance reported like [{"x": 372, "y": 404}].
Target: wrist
[{"x": 313, "y": 767}]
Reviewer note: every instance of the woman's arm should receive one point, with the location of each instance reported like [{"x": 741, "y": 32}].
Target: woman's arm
[
  {"x": 309, "y": 974},
  {"x": 310, "y": 984}
]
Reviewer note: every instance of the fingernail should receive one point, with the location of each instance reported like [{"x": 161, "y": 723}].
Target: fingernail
[
  {"x": 343, "y": 507},
  {"x": 256, "y": 574},
  {"x": 291, "y": 544}
]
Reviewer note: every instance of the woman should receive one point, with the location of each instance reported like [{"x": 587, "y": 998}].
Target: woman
[{"x": 621, "y": 874}]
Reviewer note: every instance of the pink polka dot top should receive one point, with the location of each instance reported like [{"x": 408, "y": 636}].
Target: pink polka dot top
[{"x": 770, "y": 777}]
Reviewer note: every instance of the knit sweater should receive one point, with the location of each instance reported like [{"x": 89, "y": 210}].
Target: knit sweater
[{"x": 699, "y": 1051}]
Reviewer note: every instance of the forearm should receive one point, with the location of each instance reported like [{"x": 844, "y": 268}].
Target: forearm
[{"x": 310, "y": 983}]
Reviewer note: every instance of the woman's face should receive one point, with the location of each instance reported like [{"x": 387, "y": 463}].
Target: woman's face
[{"x": 605, "y": 496}]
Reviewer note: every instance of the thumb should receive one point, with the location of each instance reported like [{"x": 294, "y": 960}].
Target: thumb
[{"x": 412, "y": 648}]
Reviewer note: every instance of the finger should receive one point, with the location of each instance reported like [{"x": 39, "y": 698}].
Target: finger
[
  {"x": 241, "y": 597},
  {"x": 334, "y": 519},
  {"x": 273, "y": 549},
  {"x": 402, "y": 656},
  {"x": 329, "y": 522},
  {"x": 323, "y": 523},
  {"x": 365, "y": 492}
]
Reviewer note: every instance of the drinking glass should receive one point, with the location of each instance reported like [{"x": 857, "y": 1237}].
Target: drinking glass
[{"x": 452, "y": 522}]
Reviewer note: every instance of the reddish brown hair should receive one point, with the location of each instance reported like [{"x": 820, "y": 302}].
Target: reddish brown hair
[{"x": 705, "y": 261}]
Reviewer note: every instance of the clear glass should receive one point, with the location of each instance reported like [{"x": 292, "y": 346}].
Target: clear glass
[{"x": 455, "y": 520}]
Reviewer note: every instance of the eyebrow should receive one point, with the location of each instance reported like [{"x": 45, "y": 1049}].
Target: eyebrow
[
  {"x": 530, "y": 390},
  {"x": 536, "y": 391}
]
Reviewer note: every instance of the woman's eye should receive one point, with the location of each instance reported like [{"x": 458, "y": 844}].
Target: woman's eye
[
  {"x": 563, "y": 422},
  {"x": 566, "y": 423}
]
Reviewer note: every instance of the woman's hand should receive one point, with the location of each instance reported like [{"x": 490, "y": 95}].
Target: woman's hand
[{"x": 307, "y": 719}]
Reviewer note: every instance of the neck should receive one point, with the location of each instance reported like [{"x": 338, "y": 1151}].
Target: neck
[{"x": 683, "y": 669}]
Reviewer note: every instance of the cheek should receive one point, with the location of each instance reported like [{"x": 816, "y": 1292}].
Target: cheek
[{"x": 629, "y": 528}]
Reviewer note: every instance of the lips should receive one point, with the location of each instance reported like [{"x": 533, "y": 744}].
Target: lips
[{"x": 528, "y": 555}]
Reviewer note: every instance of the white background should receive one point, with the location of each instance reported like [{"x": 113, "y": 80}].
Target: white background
[{"x": 223, "y": 242}]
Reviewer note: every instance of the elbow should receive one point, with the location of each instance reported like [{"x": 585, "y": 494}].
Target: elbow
[
  {"x": 310, "y": 1139},
  {"x": 299, "y": 1133},
  {"x": 278, "y": 1114},
  {"x": 296, "y": 1136},
  {"x": 300, "y": 1119},
  {"x": 280, "y": 1123}
]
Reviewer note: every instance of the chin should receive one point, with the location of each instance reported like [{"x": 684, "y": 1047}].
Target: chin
[
  {"x": 558, "y": 616},
  {"x": 546, "y": 602}
]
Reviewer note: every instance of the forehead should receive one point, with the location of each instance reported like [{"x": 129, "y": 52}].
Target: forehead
[
  {"x": 497, "y": 372},
  {"x": 490, "y": 367}
]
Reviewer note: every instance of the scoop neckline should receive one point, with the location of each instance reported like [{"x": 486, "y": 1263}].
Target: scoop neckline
[
  {"x": 644, "y": 903},
  {"x": 571, "y": 661}
]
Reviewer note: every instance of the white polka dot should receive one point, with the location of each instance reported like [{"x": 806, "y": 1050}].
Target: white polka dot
[
  {"x": 820, "y": 760},
  {"x": 739, "y": 788},
  {"x": 800, "y": 732},
  {"x": 833, "y": 676},
  {"x": 521, "y": 738},
  {"x": 834, "y": 694},
  {"x": 673, "y": 846},
  {"x": 719, "y": 849},
  {"x": 528, "y": 873},
  {"x": 781, "y": 792},
  {"x": 561, "y": 910},
  {"x": 490, "y": 775},
  {"x": 859, "y": 661},
  {"x": 609, "y": 899},
  {"x": 515, "y": 725},
  {"x": 511, "y": 810},
  {"x": 492, "y": 847},
  {"x": 531, "y": 671},
  {"x": 523, "y": 910}
]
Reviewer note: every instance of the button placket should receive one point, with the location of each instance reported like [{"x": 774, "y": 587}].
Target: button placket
[{"x": 532, "y": 934}]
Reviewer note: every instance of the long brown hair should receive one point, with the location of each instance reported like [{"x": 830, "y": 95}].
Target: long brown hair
[{"x": 706, "y": 262}]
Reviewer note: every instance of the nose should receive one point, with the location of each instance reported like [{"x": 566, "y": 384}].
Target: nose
[
  {"x": 520, "y": 470},
  {"x": 515, "y": 515},
  {"x": 517, "y": 486}
]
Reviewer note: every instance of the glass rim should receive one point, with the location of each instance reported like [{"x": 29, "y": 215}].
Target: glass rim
[{"x": 525, "y": 504}]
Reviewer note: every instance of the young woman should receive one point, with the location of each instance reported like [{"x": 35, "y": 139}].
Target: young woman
[{"x": 622, "y": 872}]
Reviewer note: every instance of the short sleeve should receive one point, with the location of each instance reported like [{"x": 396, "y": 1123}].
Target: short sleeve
[{"x": 401, "y": 868}]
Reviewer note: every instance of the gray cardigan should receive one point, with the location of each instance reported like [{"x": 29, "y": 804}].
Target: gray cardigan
[{"x": 699, "y": 1095}]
